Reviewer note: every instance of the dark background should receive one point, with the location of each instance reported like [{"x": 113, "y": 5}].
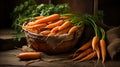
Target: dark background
[{"x": 110, "y": 8}]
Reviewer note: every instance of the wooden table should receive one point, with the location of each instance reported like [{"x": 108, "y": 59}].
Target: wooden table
[{"x": 9, "y": 59}]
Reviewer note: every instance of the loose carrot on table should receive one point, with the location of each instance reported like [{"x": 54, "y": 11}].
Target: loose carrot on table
[
  {"x": 103, "y": 45},
  {"x": 95, "y": 41},
  {"x": 46, "y": 19},
  {"x": 88, "y": 57},
  {"x": 72, "y": 30},
  {"x": 84, "y": 47},
  {"x": 97, "y": 49},
  {"x": 64, "y": 25},
  {"x": 29, "y": 55},
  {"x": 95, "y": 45},
  {"x": 83, "y": 54},
  {"x": 103, "y": 49},
  {"x": 52, "y": 25}
]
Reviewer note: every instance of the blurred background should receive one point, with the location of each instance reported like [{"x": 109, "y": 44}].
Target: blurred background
[{"x": 109, "y": 7}]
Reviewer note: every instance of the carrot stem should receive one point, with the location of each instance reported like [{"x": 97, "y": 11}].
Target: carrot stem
[
  {"x": 95, "y": 27},
  {"x": 103, "y": 33}
]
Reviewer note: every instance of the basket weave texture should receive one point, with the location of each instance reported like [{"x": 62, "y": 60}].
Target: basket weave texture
[{"x": 53, "y": 44}]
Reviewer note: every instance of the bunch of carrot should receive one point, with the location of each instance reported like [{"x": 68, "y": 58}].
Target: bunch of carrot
[
  {"x": 96, "y": 47},
  {"x": 51, "y": 25}
]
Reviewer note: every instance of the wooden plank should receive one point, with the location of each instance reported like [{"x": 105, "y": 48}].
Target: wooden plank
[
  {"x": 9, "y": 59},
  {"x": 7, "y": 40}
]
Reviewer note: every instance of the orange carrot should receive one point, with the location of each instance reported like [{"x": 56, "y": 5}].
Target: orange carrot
[
  {"x": 103, "y": 49},
  {"x": 72, "y": 30},
  {"x": 39, "y": 17},
  {"x": 97, "y": 49},
  {"x": 95, "y": 45},
  {"x": 95, "y": 41},
  {"x": 63, "y": 31},
  {"x": 49, "y": 22},
  {"x": 84, "y": 46},
  {"x": 45, "y": 32},
  {"x": 34, "y": 26},
  {"x": 83, "y": 54},
  {"x": 58, "y": 23},
  {"x": 46, "y": 19},
  {"x": 29, "y": 55},
  {"x": 64, "y": 25},
  {"x": 53, "y": 31},
  {"x": 88, "y": 57}
]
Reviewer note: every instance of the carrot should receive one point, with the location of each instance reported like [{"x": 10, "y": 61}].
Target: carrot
[
  {"x": 64, "y": 25},
  {"x": 39, "y": 17},
  {"x": 72, "y": 30},
  {"x": 84, "y": 46},
  {"x": 97, "y": 49},
  {"x": 29, "y": 55},
  {"x": 103, "y": 45},
  {"x": 53, "y": 31},
  {"x": 95, "y": 41},
  {"x": 63, "y": 31},
  {"x": 83, "y": 54},
  {"x": 45, "y": 32},
  {"x": 49, "y": 22},
  {"x": 33, "y": 30},
  {"x": 88, "y": 57},
  {"x": 95, "y": 45},
  {"x": 46, "y": 19},
  {"x": 34, "y": 26},
  {"x": 58, "y": 23},
  {"x": 103, "y": 49}
]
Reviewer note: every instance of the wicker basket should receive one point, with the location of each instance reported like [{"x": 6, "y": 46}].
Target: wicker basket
[{"x": 52, "y": 44}]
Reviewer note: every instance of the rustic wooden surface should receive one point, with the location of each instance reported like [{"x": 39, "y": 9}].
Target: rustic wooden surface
[
  {"x": 10, "y": 59},
  {"x": 7, "y": 40}
]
